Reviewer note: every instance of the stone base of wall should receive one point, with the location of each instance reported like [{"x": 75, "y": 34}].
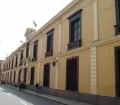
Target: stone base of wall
[
  {"x": 82, "y": 97},
  {"x": 30, "y": 87}
]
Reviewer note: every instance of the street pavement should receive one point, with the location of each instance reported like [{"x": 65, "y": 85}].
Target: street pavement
[{"x": 9, "y": 96}]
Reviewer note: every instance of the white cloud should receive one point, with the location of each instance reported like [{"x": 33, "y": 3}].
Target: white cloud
[{"x": 17, "y": 15}]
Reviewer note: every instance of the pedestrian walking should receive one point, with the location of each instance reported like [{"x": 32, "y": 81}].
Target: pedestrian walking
[
  {"x": 22, "y": 85},
  {"x": 37, "y": 86},
  {"x": 40, "y": 86}
]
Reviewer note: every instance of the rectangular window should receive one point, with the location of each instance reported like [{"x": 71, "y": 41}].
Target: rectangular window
[
  {"x": 21, "y": 55},
  {"x": 12, "y": 63},
  {"x": 14, "y": 75},
  {"x": 16, "y": 60},
  {"x": 19, "y": 76},
  {"x": 9, "y": 63},
  {"x": 27, "y": 50},
  {"x": 75, "y": 30},
  {"x": 7, "y": 66},
  {"x": 49, "y": 47},
  {"x": 21, "y": 58},
  {"x": 117, "y": 26},
  {"x": 35, "y": 50}
]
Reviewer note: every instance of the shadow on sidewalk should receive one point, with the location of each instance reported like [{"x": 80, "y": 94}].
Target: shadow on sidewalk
[{"x": 35, "y": 100}]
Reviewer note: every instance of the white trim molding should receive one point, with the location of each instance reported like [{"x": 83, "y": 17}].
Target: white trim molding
[
  {"x": 60, "y": 35},
  {"x": 56, "y": 73},
  {"x": 95, "y": 15},
  {"x": 93, "y": 71}
]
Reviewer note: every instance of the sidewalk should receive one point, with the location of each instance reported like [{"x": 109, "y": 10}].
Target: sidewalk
[{"x": 53, "y": 98}]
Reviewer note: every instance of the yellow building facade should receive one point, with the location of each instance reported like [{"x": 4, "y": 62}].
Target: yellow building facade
[{"x": 75, "y": 55}]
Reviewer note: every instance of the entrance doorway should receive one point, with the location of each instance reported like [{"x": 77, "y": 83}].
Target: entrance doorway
[
  {"x": 117, "y": 70},
  {"x": 32, "y": 75},
  {"x": 11, "y": 77},
  {"x": 72, "y": 69},
  {"x": 46, "y": 75},
  {"x": 19, "y": 76},
  {"x": 14, "y": 75},
  {"x": 8, "y": 76},
  {"x": 25, "y": 74}
]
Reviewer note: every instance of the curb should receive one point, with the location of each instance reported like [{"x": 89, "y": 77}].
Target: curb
[{"x": 37, "y": 95}]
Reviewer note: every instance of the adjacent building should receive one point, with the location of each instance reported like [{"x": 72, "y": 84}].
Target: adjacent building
[
  {"x": 0, "y": 69},
  {"x": 75, "y": 55}
]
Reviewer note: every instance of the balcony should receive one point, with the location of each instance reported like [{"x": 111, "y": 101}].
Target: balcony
[
  {"x": 20, "y": 64},
  {"x": 74, "y": 45},
  {"x": 34, "y": 59},
  {"x": 117, "y": 29},
  {"x": 48, "y": 54}
]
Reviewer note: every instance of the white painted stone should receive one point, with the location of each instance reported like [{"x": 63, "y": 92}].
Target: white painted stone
[
  {"x": 93, "y": 68},
  {"x": 93, "y": 71},
  {"x": 93, "y": 52},
  {"x": 95, "y": 16},
  {"x": 93, "y": 56},
  {"x": 93, "y": 64},
  {"x": 93, "y": 49},
  {"x": 93, "y": 60},
  {"x": 56, "y": 76}
]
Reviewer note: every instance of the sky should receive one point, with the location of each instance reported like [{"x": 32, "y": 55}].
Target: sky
[{"x": 17, "y": 15}]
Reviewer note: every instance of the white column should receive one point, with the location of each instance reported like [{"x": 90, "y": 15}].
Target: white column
[
  {"x": 60, "y": 35},
  {"x": 56, "y": 75},
  {"x": 93, "y": 71},
  {"x": 95, "y": 15}
]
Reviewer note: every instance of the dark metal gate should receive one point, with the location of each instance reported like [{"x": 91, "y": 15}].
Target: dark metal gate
[{"x": 46, "y": 75}]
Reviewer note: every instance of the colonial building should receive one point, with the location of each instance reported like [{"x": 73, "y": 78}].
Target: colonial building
[
  {"x": 0, "y": 70},
  {"x": 75, "y": 55}
]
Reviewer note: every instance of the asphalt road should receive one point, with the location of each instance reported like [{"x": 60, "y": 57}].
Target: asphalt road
[{"x": 9, "y": 96}]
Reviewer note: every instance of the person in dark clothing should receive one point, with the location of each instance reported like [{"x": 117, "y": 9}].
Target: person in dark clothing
[
  {"x": 22, "y": 85},
  {"x": 37, "y": 86}
]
